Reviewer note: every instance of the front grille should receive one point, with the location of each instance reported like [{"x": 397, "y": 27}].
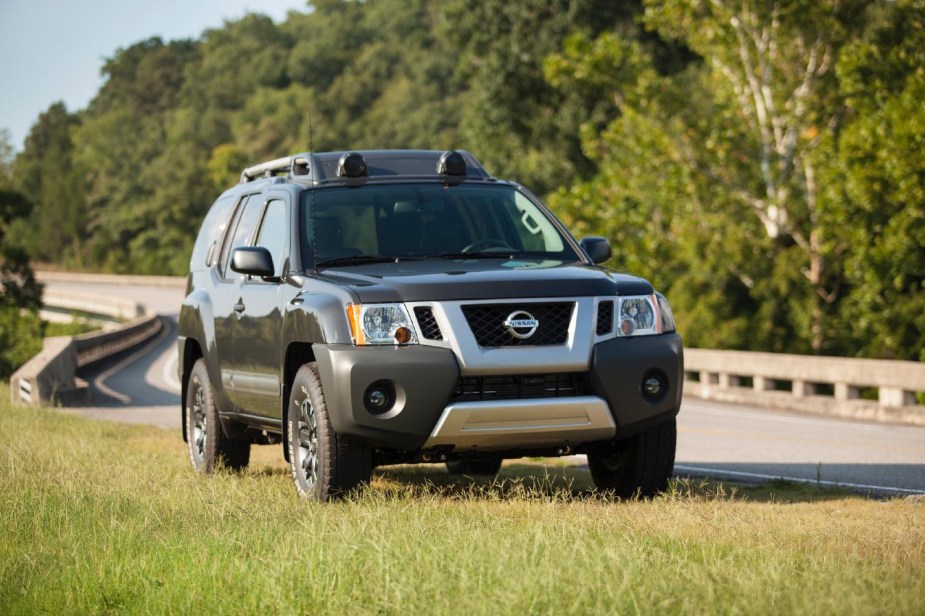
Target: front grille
[
  {"x": 604, "y": 318},
  {"x": 520, "y": 386},
  {"x": 429, "y": 327},
  {"x": 487, "y": 323}
]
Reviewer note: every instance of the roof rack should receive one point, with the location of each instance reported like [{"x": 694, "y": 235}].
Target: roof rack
[
  {"x": 295, "y": 165},
  {"x": 452, "y": 166}
]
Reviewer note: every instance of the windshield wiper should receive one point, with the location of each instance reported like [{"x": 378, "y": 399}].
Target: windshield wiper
[{"x": 357, "y": 260}]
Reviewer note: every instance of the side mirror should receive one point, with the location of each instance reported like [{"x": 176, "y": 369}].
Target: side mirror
[
  {"x": 253, "y": 261},
  {"x": 597, "y": 248}
]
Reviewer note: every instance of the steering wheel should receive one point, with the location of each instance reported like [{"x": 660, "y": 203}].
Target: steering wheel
[{"x": 490, "y": 242}]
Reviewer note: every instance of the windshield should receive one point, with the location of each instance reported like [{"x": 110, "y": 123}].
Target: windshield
[{"x": 418, "y": 221}]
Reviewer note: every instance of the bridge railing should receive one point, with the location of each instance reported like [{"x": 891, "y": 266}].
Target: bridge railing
[
  {"x": 49, "y": 376},
  {"x": 878, "y": 390}
]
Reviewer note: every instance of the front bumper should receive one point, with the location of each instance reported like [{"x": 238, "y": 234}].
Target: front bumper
[{"x": 425, "y": 378}]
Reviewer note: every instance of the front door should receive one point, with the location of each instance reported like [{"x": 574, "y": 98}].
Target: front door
[
  {"x": 226, "y": 305},
  {"x": 259, "y": 352}
]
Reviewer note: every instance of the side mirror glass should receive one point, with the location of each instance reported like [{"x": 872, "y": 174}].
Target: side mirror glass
[
  {"x": 597, "y": 248},
  {"x": 253, "y": 261}
]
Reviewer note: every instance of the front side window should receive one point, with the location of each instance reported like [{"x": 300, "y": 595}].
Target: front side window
[
  {"x": 242, "y": 229},
  {"x": 274, "y": 230},
  {"x": 428, "y": 221}
]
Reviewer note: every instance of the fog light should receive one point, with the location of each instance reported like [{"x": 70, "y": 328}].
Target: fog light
[
  {"x": 379, "y": 397},
  {"x": 654, "y": 386}
]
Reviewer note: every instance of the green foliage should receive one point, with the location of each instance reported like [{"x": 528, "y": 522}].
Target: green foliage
[
  {"x": 20, "y": 293},
  {"x": 758, "y": 161},
  {"x": 57, "y": 218},
  {"x": 20, "y": 338},
  {"x": 521, "y": 126},
  {"x": 78, "y": 324},
  {"x": 776, "y": 200},
  {"x": 883, "y": 176}
]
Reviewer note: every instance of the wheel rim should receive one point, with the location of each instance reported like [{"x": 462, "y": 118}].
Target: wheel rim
[
  {"x": 199, "y": 421},
  {"x": 308, "y": 443}
]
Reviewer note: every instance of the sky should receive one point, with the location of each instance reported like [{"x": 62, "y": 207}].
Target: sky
[{"x": 53, "y": 50}]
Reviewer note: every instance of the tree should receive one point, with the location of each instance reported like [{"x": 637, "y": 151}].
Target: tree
[
  {"x": 882, "y": 173},
  {"x": 521, "y": 126},
  {"x": 123, "y": 135},
  {"x": 45, "y": 172},
  {"x": 20, "y": 293},
  {"x": 741, "y": 141}
]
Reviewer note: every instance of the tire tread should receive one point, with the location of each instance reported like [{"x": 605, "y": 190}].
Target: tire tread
[
  {"x": 646, "y": 464},
  {"x": 344, "y": 465}
]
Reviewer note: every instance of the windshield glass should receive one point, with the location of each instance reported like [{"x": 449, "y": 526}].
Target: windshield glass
[{"x": 408, "y": 221}]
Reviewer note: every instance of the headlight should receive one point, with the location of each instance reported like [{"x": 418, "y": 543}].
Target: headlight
[
  {"x": 638, "y": 316},
  {"x": 380, "y": 324}
]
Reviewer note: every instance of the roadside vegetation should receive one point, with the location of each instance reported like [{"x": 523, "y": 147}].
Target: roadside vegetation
[
  {"x": 98, "y": 517},
  {"x": 76, "y": 326},
  {"x": 759, "y": 162}
]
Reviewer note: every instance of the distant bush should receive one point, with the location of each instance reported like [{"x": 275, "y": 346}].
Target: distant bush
[{"x": 20, "y": 338}]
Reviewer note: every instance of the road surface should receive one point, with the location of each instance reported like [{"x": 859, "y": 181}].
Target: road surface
[{"x": 714, "y": 439}]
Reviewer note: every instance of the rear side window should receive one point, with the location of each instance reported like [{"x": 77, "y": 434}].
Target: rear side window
[
  {"x": 242, "y": 229},
  {"x": 211, "y": 233}
]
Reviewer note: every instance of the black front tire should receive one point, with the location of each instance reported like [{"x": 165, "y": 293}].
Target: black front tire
[
  {"x": 324, "y": 464},
  {"x": 209, "y": 448},
  {"x": 638, "y": 466},
  {"x": 481, "y": 467}
]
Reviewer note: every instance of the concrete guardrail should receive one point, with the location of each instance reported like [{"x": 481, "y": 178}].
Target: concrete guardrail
[
  {"x": 93, "y": 305},
  {"x": 871, "y": 389},
  {"x": 113, "y": 279},
  {"x": 50, "y": 376}
]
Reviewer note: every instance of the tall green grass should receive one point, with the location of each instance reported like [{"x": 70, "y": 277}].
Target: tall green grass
[{"x": 99, "y": 517}]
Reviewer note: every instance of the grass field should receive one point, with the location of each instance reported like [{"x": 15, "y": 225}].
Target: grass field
[{"x": 98, "y": 517}]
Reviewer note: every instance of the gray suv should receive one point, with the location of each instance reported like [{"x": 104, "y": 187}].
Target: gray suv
[{"x": 394, "y": 307}]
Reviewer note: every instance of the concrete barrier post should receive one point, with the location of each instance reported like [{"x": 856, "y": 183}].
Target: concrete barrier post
[
  {"x": 844, "y": 391},
  {"x": 895, "y": 396},
  {"x": 802, "y": 389},
  {"x": 705, "y": 383}
]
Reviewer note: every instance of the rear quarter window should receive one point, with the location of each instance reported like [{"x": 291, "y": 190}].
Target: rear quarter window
[{"x": 210, "y": 234}]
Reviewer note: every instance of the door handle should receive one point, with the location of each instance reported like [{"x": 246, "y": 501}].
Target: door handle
[{"x": 239, "y": 307}]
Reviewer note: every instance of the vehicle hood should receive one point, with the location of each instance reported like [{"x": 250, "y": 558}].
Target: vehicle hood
[{"x": 439, "y": 280}]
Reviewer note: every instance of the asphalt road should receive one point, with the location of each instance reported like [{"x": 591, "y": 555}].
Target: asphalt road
[{"x": 714, "y": 439}]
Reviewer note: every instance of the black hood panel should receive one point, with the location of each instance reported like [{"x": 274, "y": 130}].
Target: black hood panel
[{"x": 434, "y": 280}]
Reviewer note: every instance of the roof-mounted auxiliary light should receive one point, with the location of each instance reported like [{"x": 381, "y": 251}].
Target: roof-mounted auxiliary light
[
  {"x": 351, "y": 165},
  {"x": 451, "y": 163}
]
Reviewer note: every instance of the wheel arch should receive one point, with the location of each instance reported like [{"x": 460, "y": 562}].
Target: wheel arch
[
  {"x": 192, "y": 351},
  {"x": 297, "y": 355}
]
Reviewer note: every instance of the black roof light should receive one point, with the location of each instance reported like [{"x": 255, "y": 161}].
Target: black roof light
[
  {"x": 451, "y": 163},
  {"x": 351, "y": 165}
]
